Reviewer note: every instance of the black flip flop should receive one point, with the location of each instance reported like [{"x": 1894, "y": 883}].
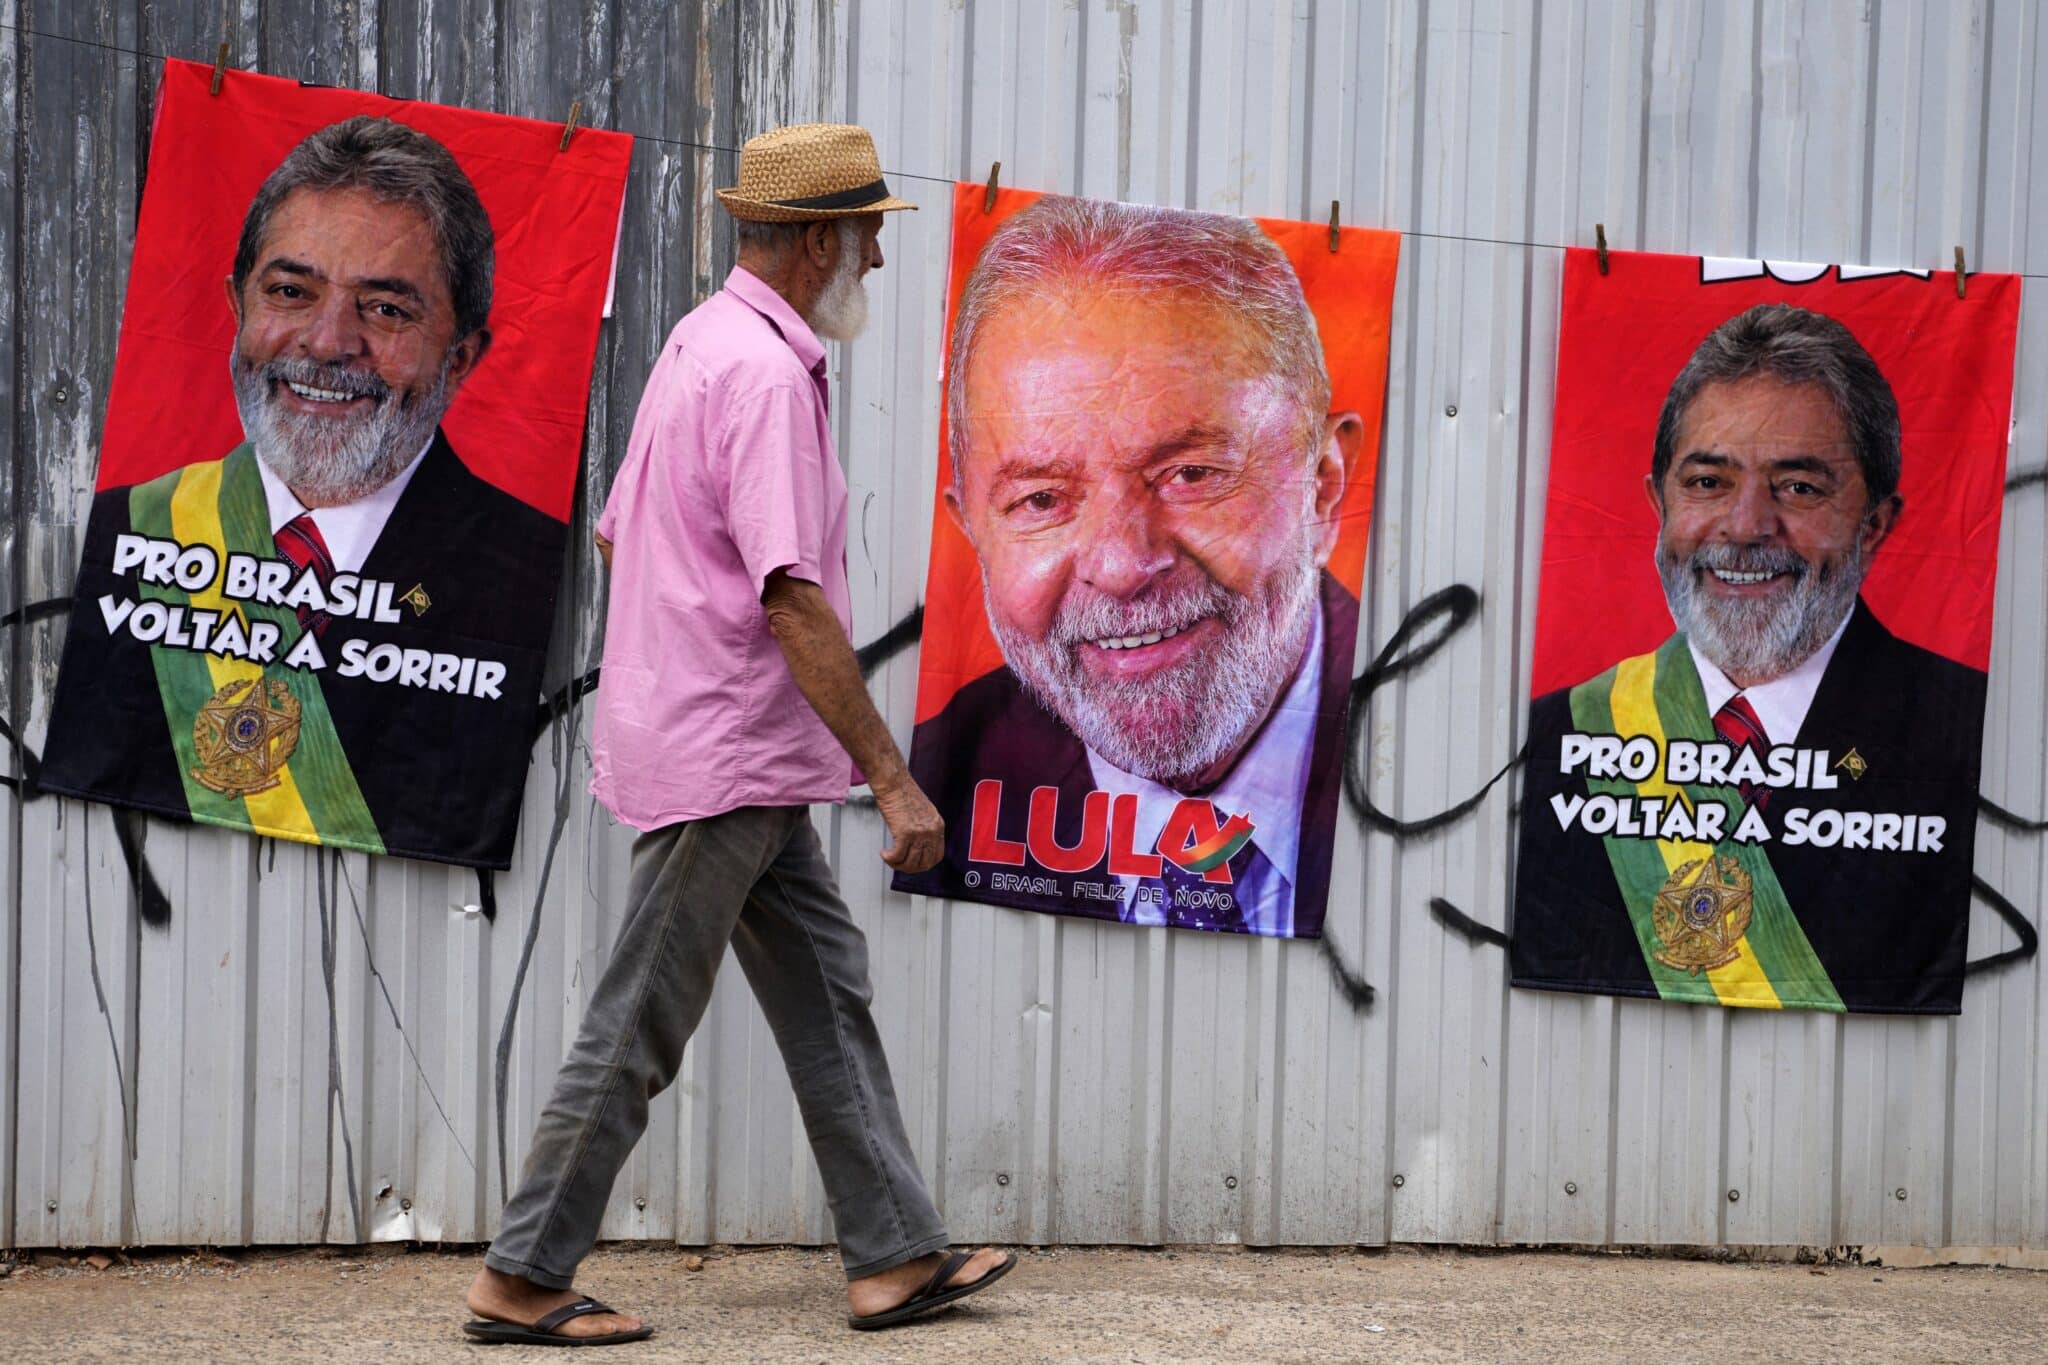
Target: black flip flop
[
  {"x": 543, "y": 1332},
  {"x": 936, "y": 1292}
]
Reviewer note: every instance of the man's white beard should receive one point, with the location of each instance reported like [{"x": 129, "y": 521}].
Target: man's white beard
[
  {"x": 1175, "y": 724},
  {"x": 330, "y": 461},
  {"x": 840, "y": 312},
  {"x": 1763, "y": 638}
]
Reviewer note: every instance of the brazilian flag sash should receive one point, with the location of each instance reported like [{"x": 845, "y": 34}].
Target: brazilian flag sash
[
  {"x": 1663, "y": 881},
  {"x": 311, "y": 796}
]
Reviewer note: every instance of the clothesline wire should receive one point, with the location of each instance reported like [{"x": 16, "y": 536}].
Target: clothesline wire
[{"x": 904, "y": 175}]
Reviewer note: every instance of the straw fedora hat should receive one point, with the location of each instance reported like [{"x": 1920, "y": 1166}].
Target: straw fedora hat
[{"x": 809, "y": 171}]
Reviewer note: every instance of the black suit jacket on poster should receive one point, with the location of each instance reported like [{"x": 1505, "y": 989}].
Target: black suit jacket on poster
[
  {"x": 992, "y": 728},
  {"x": 441, "y": 773},
  {"x": 1889, "y": 927}
]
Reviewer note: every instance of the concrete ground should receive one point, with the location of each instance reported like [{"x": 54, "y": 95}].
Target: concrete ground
[{"x": 393, "y": 1304}]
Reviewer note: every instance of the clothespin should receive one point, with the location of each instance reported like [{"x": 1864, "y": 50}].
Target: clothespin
[
  {"x": 988, "y": 201},
  {"x": 1600, "y": 244},
  {"x": 1333, "y": 227},
  {"x": 220, "y": 69},
  {"x": 569, "y": 128},
  {"x": 1959, "y": 272}
]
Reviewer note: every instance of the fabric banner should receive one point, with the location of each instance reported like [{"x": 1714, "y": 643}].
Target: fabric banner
[
  {"x": 1762, "y": 633},
  {"x": 1156, "y": 466},
  {"x": 341, "y": 442}
]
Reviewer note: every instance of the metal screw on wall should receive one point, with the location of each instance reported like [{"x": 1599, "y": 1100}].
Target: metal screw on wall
[
  {"x": 1229, "y": 1182},
  {"x": 640, "y": 1202},
  {"x": 1002, "y": 1177},
  {"x": 406, "y": 1205},
  {"x": 1450, "y": 409},
  {"x": 62, "y": 396},
  {"x": 1899, "y": 1193},
  {"x": 1399, "y": 1180},
  {"x": 51, "y": 1206},
  {"x": 1734, "y": 1196},
  {"x": 1571, "y": 1187}
]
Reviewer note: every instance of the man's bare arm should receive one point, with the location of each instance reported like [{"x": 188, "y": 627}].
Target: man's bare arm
[
  {"x": 604, "y": 548},
  {"x": 826, "y": 672}
]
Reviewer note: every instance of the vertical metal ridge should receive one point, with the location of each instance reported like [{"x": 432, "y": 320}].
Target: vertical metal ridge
[
  {"x": 964, "y": 113},
  {"x": 1866, "y": 248},
  {"x": 1044, "y": 1207},
  {"x": 1162, "y": 1175},
  {"x": 1976, "y": 231},
  {"x": 1610, "y": 1177},
  {"x": 1417, "y": 217},
  {"x": 118, "y": 1034},
  {"x": 2023, "y": 259},
  {"x": 1062, "y": 931},
  {"x": 849, "y": 100},
  {"x": 13, "y": 689},
  {"x": 1194, "y": 102},
  {"x": 1273, "y": 1177},
  {"x": 941, "y": 1153},
  {"x": 1947, "y": 1026},
  {"x": 1306, "y": 123},
  {"x": 247, "y": 1193},
  {"x": 1649, "y": 80},
  {"x": 1079, "y": 66},
  {"x": 1525, "y": 435},
  {"x": 1838, "y": 1216},
  {"x": 1756, "y": 124},
  {"x": 1723, "y": 1024}
]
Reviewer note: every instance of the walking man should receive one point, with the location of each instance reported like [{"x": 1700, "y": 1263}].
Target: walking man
[{"x": 730, "y": 701}]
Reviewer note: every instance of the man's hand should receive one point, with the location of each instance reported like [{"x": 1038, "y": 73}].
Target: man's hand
[
  {"x": 917, "y": 833},
  {"x": 826, "y": 672}
]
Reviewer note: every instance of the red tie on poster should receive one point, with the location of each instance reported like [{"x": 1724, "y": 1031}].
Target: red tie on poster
[
  {"x": 1736, "y": 723},
  {"x": 299, "y": 541}
]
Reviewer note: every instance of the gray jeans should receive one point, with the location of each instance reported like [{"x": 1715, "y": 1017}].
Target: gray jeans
[{"x": 755, "y": 878}]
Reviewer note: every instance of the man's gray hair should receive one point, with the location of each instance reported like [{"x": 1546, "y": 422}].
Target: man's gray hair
[
  {"x": 1134, "y": 249},
  {"x": 1793, "y": 346},
  {"x": 396, "y": 165},
  {"x": 779, "y": 239},
  {"x": 773, "y": 238}
]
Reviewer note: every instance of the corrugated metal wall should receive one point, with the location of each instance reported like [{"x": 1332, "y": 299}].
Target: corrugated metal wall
[{"x": 288, "y": 1047}]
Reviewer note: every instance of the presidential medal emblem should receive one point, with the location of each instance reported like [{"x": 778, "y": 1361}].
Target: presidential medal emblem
[
  {"x": 1701, "y": 914},
  {"x": 243, "y": 736}
]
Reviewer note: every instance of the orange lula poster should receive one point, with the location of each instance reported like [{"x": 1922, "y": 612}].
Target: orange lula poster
[{"x": 1157, "y": 457}]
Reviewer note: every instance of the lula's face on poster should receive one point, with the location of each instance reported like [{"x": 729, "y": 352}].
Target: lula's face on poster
[
  {"x": 1767, "y": 523},
  {"x": 359, "y": 287},
  {"x": 315, "y": 590},
  {"x": 1150, "y": 509}
]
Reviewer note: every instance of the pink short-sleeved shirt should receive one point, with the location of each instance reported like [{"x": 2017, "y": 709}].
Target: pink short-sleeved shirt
[{"x": 730, "y": 475}]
